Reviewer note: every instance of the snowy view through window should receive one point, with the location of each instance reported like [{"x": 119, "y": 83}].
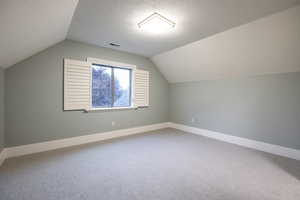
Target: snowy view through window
[{"x": 111, "y": 87}]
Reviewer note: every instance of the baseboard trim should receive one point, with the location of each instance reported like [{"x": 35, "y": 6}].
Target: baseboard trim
[
  {"x": 261, "y": 146},
  {"x": 68, "y": 142},
  {"x": 2, "y": 156}
]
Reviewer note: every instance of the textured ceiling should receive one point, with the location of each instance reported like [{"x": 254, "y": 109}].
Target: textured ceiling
[
  {"x": 268, "y": 45},
  {"x": 30, "y": 26},
  {"x": 101, "y": 22}
]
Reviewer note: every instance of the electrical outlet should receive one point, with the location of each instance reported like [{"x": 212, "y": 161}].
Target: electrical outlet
[{"x": 113, "y": 123}]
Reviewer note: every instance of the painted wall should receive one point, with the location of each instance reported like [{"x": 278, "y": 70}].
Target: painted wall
[
  {"x": 265, "y": 46},
  {"x": 264, "y": 108},
  {"x": 34, "y": 97},
  {"x": 1, "y": 109}
]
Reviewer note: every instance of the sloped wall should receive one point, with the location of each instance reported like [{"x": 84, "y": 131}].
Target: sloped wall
[{"x": 265, "y": 46}]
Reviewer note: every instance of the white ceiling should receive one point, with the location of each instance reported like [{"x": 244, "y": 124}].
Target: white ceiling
[
  {"x": 101, "y": 22},
  {"x": 29, "y": 26},
  {"x": 268, "y": 45}
]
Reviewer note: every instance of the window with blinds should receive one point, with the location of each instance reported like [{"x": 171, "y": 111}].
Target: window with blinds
[{"x": 100, "y": 84}]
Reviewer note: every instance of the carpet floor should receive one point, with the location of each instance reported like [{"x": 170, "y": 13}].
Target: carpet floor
[{"x": 166, "y": 164}]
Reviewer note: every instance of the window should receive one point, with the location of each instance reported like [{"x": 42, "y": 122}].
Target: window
[
  {"x": 100, "y": 84},
  {"x": 111, "y": 86}
]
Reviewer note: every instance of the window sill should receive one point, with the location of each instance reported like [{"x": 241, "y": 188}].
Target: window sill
[{"x": 108, "y": 109}]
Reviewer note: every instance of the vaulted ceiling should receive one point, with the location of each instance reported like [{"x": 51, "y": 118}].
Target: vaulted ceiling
[
  {"x": 265, "y": 46},
  {"x": 101, "y": 22},
  {"x": 30, "y": 26}
]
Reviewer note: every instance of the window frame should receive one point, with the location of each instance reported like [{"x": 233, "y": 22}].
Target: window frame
[{"x": 112, "y": 64}]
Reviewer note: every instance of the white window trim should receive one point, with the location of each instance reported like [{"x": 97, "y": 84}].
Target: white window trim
[
  {"x": 113, "y": 108},
  {"x": 110, "y": 63},
  {"x": 98, "y": 61}
]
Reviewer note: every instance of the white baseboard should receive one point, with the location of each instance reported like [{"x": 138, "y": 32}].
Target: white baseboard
[
  {"x": 68, "y": 142},
  {"x": 2, "y": 156},
  {"x": 57, "y": 144},
  {"x": 262, "y": 146}
]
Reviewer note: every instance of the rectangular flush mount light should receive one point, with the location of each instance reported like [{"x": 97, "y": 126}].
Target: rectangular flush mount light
[{"x": 156, "y": 23}]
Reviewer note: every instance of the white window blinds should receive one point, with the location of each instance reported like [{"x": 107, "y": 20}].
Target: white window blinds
[
  {"x": 78, "y": 86},
  {"x": 141, "y": 89},
  {"x": 77, "y": 83}
]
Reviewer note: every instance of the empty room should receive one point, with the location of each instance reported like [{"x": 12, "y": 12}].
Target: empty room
[{"x": 149, "y": 100}]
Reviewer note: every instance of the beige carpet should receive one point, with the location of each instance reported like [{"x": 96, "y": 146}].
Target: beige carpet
[{"x": 161, "y": 165}]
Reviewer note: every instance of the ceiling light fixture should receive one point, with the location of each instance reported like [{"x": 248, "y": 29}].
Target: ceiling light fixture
[{"x": 156, "y": 23}]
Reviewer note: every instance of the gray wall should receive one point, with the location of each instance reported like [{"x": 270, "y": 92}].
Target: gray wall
[
  {"x": 264, "y": 108},
  {"x": 34, "y": 101},
  {"x": 1, "y": 109}
]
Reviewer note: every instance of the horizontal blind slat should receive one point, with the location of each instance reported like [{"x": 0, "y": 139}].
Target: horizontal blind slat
[
  {"x": 76, "y": 85},
  {"x": 141, "y": 88}
]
